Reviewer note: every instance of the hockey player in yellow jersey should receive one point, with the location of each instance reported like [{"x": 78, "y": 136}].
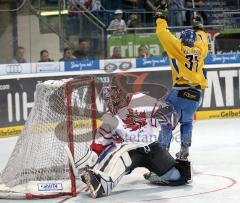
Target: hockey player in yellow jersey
[{"x": 186, "y": 57}]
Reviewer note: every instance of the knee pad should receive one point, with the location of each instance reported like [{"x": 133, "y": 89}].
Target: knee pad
[{"x": 116, "y": 163}]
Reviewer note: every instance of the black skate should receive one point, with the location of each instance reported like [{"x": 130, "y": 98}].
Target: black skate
[
  {"x": 93, "y": 182},
  {"x": 183, "y": 154}
]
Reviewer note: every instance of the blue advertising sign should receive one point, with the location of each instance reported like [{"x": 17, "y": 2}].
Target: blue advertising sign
[
  {"x": 222, "y": 58},
  {"x": 152, "y": 62},
  {"x": 81, "y": 65}
]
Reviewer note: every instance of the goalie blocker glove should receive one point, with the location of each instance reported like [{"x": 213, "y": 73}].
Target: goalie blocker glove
[
  {"x": 197, "y": 23},
  {"x": 162, "y": 10}
]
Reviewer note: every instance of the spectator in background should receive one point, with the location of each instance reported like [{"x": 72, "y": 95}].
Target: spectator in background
[
  {"x": 133, "y": 4},
  {"x": 96, "y": 5},
  {"x": 177, "y": 16},
  {"x": 67, "y": 55},
  {"x": 83, "y": 52},
  {"x": 118, "y": 24},
  {"x": 116, "y": 53},
  {"x": 189, "y": 14},
  {"x": 81, "y": 5},
  {"x": 20, "y": 52},
  {"x": 133, "y": 22},
  {"x": 143, "y": 52},
  {"x": 140, "y": 4},
  {"x": 151, "y": 4},
  {"x": 111, "y": 5},
  {"x": 44, "y": 56}
]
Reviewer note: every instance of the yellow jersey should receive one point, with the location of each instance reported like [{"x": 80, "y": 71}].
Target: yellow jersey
[{"x": 186, "y": 63}]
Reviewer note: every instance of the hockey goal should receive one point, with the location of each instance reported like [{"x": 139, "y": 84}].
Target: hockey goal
[{"x": 62, "y": 120}]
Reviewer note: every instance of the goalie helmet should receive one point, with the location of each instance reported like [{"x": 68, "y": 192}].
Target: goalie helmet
[
  {"x": 188, "y": 37},
  {"x": 113, "y": 96}
]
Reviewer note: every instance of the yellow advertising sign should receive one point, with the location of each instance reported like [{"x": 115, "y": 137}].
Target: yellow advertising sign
[
  {"x": 10, "y": 131},
  {"x": 218, "y": 114}
]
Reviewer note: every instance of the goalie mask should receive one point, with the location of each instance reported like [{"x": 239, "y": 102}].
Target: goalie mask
[{"x": 113, "y": 96}]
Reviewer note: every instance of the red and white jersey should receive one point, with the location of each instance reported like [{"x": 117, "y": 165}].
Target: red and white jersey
[{"x": 131, "y": 124}]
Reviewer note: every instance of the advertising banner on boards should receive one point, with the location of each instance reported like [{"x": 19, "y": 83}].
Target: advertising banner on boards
[{"x": 220, "y": 100}]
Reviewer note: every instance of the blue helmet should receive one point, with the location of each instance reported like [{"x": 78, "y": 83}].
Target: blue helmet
[{"x": 188, "y": 37}]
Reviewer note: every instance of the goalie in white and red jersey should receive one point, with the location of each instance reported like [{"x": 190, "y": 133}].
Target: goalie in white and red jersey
[{"x": 125, "y": 141}]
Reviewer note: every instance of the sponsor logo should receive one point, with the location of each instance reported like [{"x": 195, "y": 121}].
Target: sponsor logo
[
  {"x": 4, "y": 87},
  {"x": 110, "y": 67},
  {"x": 152, "y": 62},
  {"x": 218, "y": 114},
  {"x": 13, "y": 68},
  {"x": 10, "y": 131},
  {"x": 230, "y": 114},
  {"x": 222, "y": 59},
  {"x": 130, "y": 49},
  {"x": 104, "y": 79},
  {"x": 223, "y": 89},
  {"x": 47, "y": 67},
  {"x": 190, "y": 96},
  {"x": 123, "y": 66},
  {"x": 81, "y": 65},
  {"x": 50, "y": 186}
]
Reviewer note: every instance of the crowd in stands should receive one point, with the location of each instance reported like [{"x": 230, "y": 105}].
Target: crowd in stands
[
  {"x": 81, "y": 54},
  {"x": 180, "y": 14},
  {"x": 143, "y": 52},
  {"x": 20, "y": 56},
  {"x": 68, "y": 53}
]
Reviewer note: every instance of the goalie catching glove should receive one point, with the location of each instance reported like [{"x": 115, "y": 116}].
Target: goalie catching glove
[{"x": 162, "y": 9}]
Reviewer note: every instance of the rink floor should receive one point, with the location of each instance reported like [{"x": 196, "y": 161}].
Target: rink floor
[{"x": 215, "y": 154}]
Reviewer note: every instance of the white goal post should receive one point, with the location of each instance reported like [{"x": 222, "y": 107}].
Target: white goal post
[{"x": 63, "y": 116}]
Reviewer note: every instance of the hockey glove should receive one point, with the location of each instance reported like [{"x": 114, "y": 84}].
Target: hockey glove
[
  {"x": 162, "y": 9},
  {"x": 197, "y": 23}
]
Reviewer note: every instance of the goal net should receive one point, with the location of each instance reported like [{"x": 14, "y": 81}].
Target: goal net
[{"x": 63, "y": 117}]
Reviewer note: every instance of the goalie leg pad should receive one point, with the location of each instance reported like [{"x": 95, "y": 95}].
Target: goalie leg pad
[
  {"x": 115, "y": 163},
  {"x": 109, "y": 170}
]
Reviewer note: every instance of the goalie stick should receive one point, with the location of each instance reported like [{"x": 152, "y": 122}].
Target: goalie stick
[
  {"x": 71, "y": 160},
  {"x": 194, "y": 12}
]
